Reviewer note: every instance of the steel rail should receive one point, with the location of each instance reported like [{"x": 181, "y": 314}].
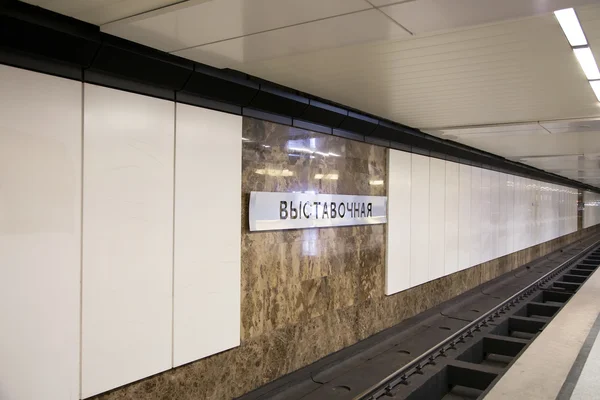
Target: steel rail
[{"x": 402, "y": 374}]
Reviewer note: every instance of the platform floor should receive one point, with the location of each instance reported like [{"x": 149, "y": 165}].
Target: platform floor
[
  {"x": 563, "y": 362},
  {"x": 582, "y": 382}
]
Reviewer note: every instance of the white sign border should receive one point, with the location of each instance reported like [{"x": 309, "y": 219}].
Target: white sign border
[{"x": 258, "y": 225}]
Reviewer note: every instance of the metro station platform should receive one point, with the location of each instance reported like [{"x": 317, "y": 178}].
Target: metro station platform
[
  {"x": 299, "y": 200},
  {"x": 563, "y": 362}
]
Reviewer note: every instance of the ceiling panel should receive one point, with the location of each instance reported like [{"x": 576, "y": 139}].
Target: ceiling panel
[
  {"x": 365, "y": 26},
  {"x": 573, "y": 126},
  {"x": 516, "y": 71},
  {"x": 213, "y": 21},
  {"x": 534, "y": 145},
  {"x": 102, "y": 11},
  {"x": 435, "y": 15},
  {"x": 573, "y": 167},
  {"x": 379, "y": 3},
  {"x": 501, "y": 131}
]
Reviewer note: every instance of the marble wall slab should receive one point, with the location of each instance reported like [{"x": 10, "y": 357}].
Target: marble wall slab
[
  {"x": 308, "y": 293},
  {"x": 292, "y": 277}
]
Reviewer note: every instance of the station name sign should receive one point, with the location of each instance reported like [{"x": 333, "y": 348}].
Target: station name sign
[{"x": 276, "y": 211}]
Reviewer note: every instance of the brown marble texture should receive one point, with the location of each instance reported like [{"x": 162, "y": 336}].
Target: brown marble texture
[{"x": 308, "y": 293}]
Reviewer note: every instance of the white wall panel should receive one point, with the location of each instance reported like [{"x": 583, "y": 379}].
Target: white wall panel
[
  {"x": 567, "y": 210},
  {"x": 502, "y": 247},
  {"x": 128, "y": 238},
  {"x": 574, "y": 210},
  {"x": 494, "y": 215},
  {"x": 545, "y": 228},
  {"x": 207, "y": 261},
  {"x": 538, "y": 212},
  {"x": 541, "y": 202},
  {"x": 591, "y": 210},
  {"x": 549, "y": 213},
  {"x": 537, "y": 205},
  {"x": 518, "y": 224},
  {"x": 567, "y": 204},
  {"x": 486, "y": 215},
  {"x": 562, "y": 211},
  {"x": 571, "y": 210},
  {"x": 437, "y": 219},
  {"x": 555, "y": 212},
  {"x": 452, "y": 218},
  {"x": 545, "y": 223},
  {"x": 464, "y": 217},
  {"x": 528, "y": 200},
  {"x": 525, "y": 213},
  {"x": 551, "y": 216},
  {"x": 477, "y": 225},
  {"x": 397, "y": 276},
  {"x": 510, "y": 213},
  {"x": 419, "y": 220},
  {"x": 40, "y": 235}
]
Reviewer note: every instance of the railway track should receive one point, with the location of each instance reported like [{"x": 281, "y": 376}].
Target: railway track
[{"x": 467, "y": 364}]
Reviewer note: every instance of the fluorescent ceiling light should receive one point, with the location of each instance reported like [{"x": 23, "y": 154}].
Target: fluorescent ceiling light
[
  {"x": 588, "y": 64},
  {"x": 596, "y": 87},
  {"x": 570, "y": 25}
]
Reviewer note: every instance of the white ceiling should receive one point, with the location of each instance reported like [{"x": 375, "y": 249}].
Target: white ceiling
[
  {"x": 481, "y": 72},
  {"x": 569, "y": 148},
  {"x": 102, "y": 11}
]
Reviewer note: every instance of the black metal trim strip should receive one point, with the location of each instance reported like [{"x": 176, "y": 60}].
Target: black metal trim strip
[{"x": 40, "y": 40}]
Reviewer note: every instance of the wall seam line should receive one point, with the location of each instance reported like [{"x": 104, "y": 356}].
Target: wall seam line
[
  {"x": 81, "y": 245},
  {"x": 173, "y": 239},
  {"x": 410, "y": 225}
]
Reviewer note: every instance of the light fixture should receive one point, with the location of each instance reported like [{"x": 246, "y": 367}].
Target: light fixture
[
  {"x": 596, "y": 87},
  {"x": 571, "y": 27},
  {"x": 588, "y": 64}
]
